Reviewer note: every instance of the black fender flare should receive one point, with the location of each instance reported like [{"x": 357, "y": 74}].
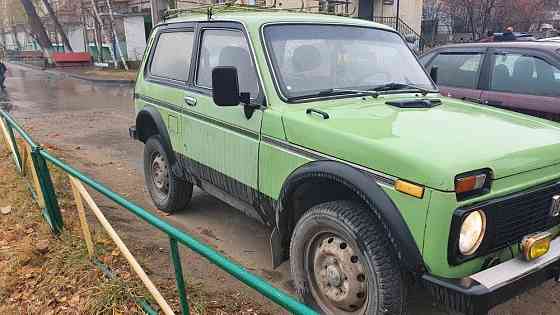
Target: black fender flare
[
  {"x": 364, "y": 185},
  {"x": 145, "y": 117}
]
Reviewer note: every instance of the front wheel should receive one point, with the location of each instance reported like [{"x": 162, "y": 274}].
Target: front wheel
[
  {"x": 169, "y": 193},
  {"x": 343, "y": 263}
]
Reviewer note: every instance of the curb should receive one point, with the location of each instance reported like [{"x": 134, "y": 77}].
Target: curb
[
  {"x": 90, "y": 79},
  {"x": 75, "y": 76},
  {"x": 27, "y": 65}
]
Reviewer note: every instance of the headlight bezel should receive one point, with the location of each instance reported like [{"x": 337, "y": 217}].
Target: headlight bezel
[{"x": 455, "y": 256}]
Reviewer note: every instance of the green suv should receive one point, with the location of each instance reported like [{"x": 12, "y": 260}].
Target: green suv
[{"x": 329, "y": 130}]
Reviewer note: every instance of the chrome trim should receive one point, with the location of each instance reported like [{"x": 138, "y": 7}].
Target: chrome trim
[
  {"x": 380, "y": 178},
  {"x": 517, "y": 268}
]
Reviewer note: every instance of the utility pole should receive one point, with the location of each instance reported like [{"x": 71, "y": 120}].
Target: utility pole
[
  {"x": 57, "y": 25},
  {"x": 112, "y": 18}
]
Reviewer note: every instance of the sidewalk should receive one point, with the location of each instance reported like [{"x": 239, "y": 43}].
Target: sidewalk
[
  {"x": 92, "y": 74},
  {"x": 95, "y": 74}
]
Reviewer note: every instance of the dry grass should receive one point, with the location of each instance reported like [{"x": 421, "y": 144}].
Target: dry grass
[{"x": 60, "y": 279}]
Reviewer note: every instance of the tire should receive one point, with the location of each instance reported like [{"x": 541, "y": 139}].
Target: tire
[
  {"x": 342, "y": 262},
  {"x": 168, "y": 192}
]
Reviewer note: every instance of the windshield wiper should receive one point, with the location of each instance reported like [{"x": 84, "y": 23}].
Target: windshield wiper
[
  {"x": 396, "y": 86},
  {"x": 346, "y": 91}
]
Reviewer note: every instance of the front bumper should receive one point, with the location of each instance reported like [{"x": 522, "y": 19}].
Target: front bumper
[{"x": 478, "y": 293}]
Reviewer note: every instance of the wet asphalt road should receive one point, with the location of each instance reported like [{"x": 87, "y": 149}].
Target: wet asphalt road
[{"x": 89, "y": 123}]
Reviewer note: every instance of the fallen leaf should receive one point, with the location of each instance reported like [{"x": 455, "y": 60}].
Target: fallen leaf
[
  {"x": 6, "y": 210},
  {"x": 42, "y": 246}
]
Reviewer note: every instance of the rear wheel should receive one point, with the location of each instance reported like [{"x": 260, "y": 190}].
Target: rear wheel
[
  {"x": 169, "y": 193},
  {"x": 343, "y": 263}
]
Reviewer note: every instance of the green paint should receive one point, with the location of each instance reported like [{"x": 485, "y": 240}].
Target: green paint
[
  {"x": 425, "y": 146},
  {"x": 179, "y": 279},
  {"x": 51, "y": 203}
]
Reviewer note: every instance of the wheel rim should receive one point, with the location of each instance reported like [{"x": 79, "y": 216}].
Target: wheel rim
[
  {"x": 337, "y": 275},
  {"x": 160, "y": 174}
]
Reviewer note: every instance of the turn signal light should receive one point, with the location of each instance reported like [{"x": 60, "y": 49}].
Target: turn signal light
[
  {"x": 409, "y": 188},
  {"x": 535, "y": 245},
  {"x": 470, "y": 183}
]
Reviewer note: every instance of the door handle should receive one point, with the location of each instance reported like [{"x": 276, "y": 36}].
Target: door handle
[
  {"x": 493, "y": 103},
  {"x": 470, "y": 99},
  {"x": 189, "y": 100}
]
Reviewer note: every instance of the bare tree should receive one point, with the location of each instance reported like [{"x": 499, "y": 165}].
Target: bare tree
[
  {"x": 37, "y": 28},
  {"x": 115, "y": 35},
  {"x": 57, "y": 25},
  {"x": 473, "y": 16}
]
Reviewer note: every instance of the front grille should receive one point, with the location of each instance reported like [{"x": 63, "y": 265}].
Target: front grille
[
  {"x": 509, "y": 219},
  {"x": 514, "y": 217}
]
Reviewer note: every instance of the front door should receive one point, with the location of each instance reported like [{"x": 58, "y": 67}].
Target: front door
[{"x": 221, "y": 143}]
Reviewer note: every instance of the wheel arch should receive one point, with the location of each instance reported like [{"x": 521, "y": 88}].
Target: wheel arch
[
  {"x": 148, "y": 123},
  {"x": 325, "y": 180}
]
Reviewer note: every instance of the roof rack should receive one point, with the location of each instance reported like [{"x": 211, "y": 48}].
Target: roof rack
[{"x": 231, "y": 6}]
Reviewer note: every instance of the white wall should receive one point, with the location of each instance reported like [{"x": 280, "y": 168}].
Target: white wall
[
  {"x": 135, "y": 37},
  {"x": 75, "y": 36}
]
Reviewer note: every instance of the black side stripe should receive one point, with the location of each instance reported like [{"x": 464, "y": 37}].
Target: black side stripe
[
  {"x": 308, "y": 153},
  {"x": 195, "y": 115},
  {"x": 314, "y": 155}
]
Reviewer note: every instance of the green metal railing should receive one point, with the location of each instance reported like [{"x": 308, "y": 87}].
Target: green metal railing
[{"x": 176, "y": 236}]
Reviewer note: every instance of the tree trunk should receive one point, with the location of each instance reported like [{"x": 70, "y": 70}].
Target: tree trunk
[
  {"x": 100, "y": 22},
  {"x": 115, "y": 35},
  {"x": 15, "y": 38},
  {"x": 58, "y": 26},
  {"x": 37, "y": 28},
  {"x": 98, "y": 39}
]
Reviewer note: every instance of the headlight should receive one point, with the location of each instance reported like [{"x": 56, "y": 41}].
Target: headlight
[{"x": 472, "y": 232}]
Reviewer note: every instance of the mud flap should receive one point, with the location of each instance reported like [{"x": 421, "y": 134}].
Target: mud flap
[{"x": 277, "y": 250}]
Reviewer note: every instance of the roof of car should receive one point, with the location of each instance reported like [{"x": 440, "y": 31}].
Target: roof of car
[
  {"x": 550, "y": 46},
  {"x": 264, "y": 17}
]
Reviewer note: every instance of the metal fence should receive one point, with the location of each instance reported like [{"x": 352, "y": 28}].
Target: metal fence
[{"x": 36, "y": 158}]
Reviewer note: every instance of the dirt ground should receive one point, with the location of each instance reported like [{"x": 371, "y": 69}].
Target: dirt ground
[{"x": 88, "y": 123}]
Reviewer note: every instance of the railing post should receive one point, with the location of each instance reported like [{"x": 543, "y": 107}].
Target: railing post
[
  {"x": 179, "y": 275},
  {"x": 12, "y": 144},
  {"x": 52, "y": 211}
]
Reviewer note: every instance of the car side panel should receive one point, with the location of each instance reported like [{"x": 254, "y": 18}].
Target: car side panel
[{"x": 277, "y": 162}]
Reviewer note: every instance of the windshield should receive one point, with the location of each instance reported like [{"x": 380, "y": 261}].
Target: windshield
[{"x": 310, "y": 58}]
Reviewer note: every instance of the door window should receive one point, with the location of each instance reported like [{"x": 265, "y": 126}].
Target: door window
[
  {"x": 521, "y": 74},
  {"x": 172, "y": 56},
  {"x": 460, "y": 70},
  {"x": 227, "y": 48}
]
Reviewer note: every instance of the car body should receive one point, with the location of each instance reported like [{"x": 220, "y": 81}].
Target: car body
[
  {"x": 360, "y": 185},
  {"x": 520, "y": 76},
  {"x": 550, "y": 39}
]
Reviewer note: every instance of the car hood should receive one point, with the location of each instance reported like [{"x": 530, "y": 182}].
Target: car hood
[{"x": 429, "y": 146}]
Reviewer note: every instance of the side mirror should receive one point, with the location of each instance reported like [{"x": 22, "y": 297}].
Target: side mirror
[
  {"x": 434, "y": 74},
  {"x": 225, "y": 86}
]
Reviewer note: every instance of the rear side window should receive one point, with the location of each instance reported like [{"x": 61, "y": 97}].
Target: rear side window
[
  {"x": 521, "y": 74},
  {"x": 172, "y": 56},
  {"x": 227, "y": 48},
  {"x": 460, "y": 70}
]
